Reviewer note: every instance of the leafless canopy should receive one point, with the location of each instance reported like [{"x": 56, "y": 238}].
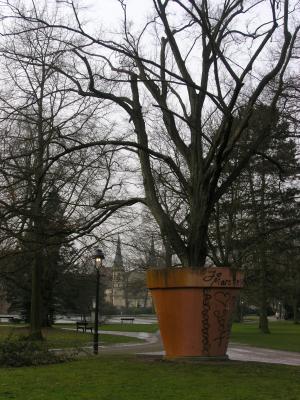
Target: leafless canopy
[{"x": 180, "y": 81}]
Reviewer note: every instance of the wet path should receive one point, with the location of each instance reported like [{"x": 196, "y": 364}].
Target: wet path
[
  {"x": 236, "y": 352},
  {"x": 249, "y": 353}
]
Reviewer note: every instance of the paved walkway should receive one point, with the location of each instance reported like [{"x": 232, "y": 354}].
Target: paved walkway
[
  {"x": 236, "y": 352},
  {"x": 148, "y": 337},
  {"x": 248, "y": 353},
  {"x": 115, "y": 319},
  {"x": 137, "y": 320}
]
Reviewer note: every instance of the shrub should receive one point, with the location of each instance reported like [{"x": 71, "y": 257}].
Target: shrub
[{"x": 23, "y": 352}]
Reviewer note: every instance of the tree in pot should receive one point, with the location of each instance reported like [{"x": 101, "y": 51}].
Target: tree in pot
[{"x": 181, "y": 94}]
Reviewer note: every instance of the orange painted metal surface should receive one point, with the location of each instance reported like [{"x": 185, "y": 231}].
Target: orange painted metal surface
[{"x": 194, "y": 309}]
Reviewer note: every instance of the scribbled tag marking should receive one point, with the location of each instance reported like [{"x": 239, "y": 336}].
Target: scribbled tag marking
[
  {"x": 223, "y": 298},
  {"x": 213, "y": 277},
  {"x": 205, "y": 321}
]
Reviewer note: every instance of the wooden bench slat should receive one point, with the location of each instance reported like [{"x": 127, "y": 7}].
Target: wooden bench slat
[
  {"x": 127, "y": 319},
  {"x": 84, "y": 326}
]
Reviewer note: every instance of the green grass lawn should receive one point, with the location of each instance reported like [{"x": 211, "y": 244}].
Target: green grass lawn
[
  {"x": 127, "y": 378},
  {"x": 284, "y": 336},
  {"x": 60, "y": 338},
  {"x": 251, "y": 318},
  {"x": 151, "y": 328}
]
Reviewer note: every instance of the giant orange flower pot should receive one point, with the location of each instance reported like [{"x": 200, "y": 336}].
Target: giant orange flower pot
[{"x": 194, "y": 309}]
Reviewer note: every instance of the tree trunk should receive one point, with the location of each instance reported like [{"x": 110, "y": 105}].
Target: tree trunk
[
  {"x": 263, "y": 316},
  {"x": 295, "y": 311},
  {"x": 37, "y": 218},
  {"x": 199, "y": 220},
  {"x": 239, "y": 317},
  {"x": 168, "y": 253},
  {"x": 263, "y": 311},
  {"x": 36, "y": 300}
]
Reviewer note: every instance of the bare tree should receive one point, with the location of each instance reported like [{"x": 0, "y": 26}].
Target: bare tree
[
  {"x": 40, "y": 119},
  {"x": 187, "y": 88}
]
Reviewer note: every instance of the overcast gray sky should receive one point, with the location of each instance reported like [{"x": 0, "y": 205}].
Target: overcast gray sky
[{"x": 109, "y": 12}]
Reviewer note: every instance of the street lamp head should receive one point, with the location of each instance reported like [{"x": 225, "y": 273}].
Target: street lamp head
[{"x": 98, "y": 256}]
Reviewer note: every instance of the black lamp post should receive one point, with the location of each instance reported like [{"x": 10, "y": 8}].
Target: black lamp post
[{"x": 98, "y": 257}]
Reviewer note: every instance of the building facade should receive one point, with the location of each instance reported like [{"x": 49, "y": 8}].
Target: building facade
[{"x": 128, "y": 288}]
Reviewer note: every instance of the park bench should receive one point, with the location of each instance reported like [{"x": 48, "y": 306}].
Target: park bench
[
  {"x": 10, "y": 318},
  {"x": 84, "y": 325},
  {"x": 15, "y": 320},
  {"x": 129, "y": 319}
]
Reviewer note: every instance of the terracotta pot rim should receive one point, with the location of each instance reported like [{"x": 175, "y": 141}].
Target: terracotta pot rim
[
  {"x": 199, "y": 269},
  {"x": 183, "y": 277}
]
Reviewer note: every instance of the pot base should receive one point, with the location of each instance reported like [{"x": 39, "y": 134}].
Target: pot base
[{"x": 196, "y": 359}]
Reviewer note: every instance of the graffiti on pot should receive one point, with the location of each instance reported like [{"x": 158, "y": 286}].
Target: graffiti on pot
[
  {"x": 223, "y": 297},
  {"x": 214, "y": 277},
  {"x": 227, "y": 301},
  {"x": 205, "y": 321},
  {"x": 221, "y": 317}
]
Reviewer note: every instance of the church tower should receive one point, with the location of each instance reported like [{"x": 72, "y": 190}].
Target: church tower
[{"x": 118, "y": 278}]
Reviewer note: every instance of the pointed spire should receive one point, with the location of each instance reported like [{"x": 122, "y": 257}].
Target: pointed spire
[
  {"x": 152, "y": 259},
  {"x": 118, "y": 262}
]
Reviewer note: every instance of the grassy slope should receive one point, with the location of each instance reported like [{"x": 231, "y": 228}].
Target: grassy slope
[
  {"x": 152, "y": 328},
  {"x": 117, "y": 378},
  {"x": 58, "y": 338},
  {"x": 284, "y": 336}
]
